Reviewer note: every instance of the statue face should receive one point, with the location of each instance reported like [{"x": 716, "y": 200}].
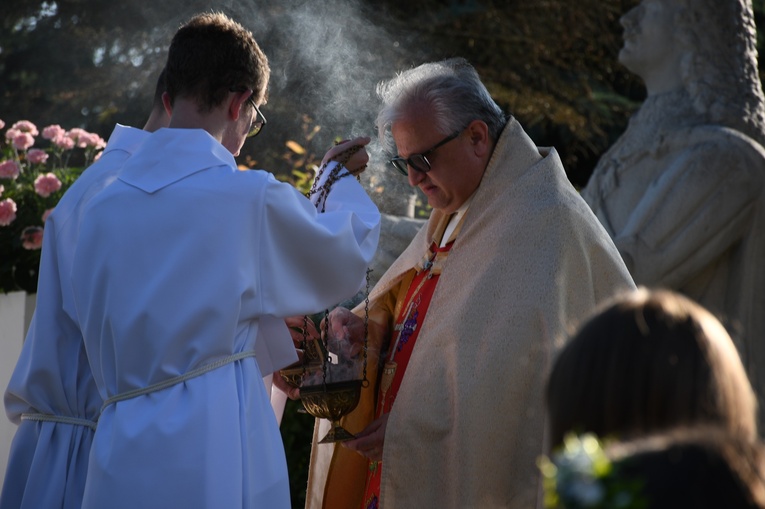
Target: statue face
[{"x": 649, "y": 43}]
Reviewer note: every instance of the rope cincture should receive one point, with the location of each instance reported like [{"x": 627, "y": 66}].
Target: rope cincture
[
  {"x": 176, "y": 379},
  {"x": 138, "y": 392},
  {"x": 60, "y": 419}
]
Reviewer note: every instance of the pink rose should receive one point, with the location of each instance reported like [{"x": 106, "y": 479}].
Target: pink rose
[
  {"x": 63, "y": 141},
  {"x": 37, "y": 156},
  {"x": 25, "y": 126},
  {"x": 53, "y": 131},
  {"x": 23, "y": 141},
  {"x": 31, "y": 237},
  {"x": 2, "y": 124},
  {"x": 11, "y": 133},
  {"x": 46, "y": 214},
  {"x": 94, "y": 140},
  {"x": 78, "y": 136},
  {"x": 46, "y": 184},
  {"x": 9, "y": 169},
  {"x": 7, "y": 212}
]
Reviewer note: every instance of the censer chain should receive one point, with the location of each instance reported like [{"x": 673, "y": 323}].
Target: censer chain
[{"x": 323, "y": 192}]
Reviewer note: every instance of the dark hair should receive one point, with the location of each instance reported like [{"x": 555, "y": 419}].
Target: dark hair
[
  {"x": 649, "y": 361},
  {"x": 210, "y": 55},
  {"x": 700, "y": 468}
]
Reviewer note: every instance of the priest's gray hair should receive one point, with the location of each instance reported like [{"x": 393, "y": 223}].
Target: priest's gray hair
[
  {"x": 452, "y": 89},
  {"x": 719, "y": 70}
]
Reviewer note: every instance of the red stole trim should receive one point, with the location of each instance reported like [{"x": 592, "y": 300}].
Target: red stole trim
[{"x": 406, "y": 330}]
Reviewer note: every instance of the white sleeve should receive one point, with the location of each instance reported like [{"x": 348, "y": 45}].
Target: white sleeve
[{"x": 310, "y": 260}]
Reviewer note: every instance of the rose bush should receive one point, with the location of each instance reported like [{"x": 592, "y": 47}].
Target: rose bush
[{"x": 32, "y": 180}]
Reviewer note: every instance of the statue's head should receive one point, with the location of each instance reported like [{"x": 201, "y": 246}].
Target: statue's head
[
  {"x": 650, "y": 48},
  {"x": 708, "y": 47}
]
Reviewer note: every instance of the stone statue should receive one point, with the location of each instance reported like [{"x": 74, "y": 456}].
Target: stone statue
[{"x": 681, "y": 191}]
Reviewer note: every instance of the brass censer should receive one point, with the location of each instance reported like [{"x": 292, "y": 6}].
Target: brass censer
[
  {"x": 332, "y": 401},
  {"x": 327, "y": 399}
]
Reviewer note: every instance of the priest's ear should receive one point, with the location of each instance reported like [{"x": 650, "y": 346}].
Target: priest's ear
[{"x": 478, "y": 133}]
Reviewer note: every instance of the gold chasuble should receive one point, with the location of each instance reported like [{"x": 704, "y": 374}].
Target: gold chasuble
[{"x": 467, "y": 426}]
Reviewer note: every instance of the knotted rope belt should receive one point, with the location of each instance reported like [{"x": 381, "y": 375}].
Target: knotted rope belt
[
  {"x": 59, "y": 418},
  {"x": 139, "y": 392}
]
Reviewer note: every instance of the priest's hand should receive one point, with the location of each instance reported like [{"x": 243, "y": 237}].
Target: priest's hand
[
  {"x": 344, "y": 325},
  {"x": 369, "y": 443}
]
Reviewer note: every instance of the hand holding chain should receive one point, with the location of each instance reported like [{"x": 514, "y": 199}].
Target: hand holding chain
[{"x": 342, "y": 158}]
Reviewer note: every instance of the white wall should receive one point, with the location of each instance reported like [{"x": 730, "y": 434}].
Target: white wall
[{"x": 16, "y": 310}]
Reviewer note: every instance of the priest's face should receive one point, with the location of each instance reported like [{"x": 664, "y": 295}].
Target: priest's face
[
  {"x": 454, "y": 172},
  {"x": 649, "y": 42}
]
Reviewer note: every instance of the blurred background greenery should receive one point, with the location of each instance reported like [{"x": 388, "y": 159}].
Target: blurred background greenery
[{"x": 552, "y": 63}]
